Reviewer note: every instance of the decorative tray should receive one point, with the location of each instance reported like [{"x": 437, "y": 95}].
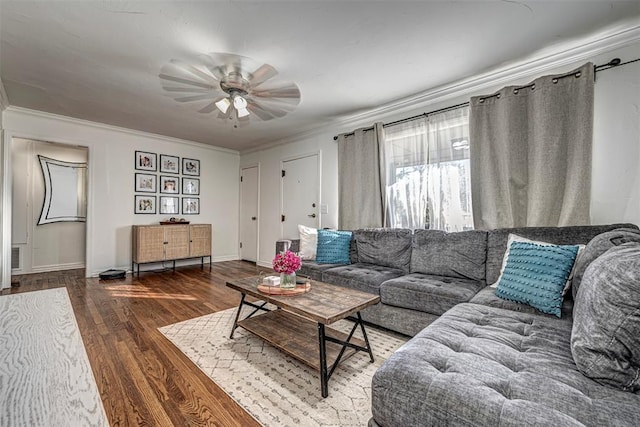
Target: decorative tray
[
  {"x": 275, "y": 290},
  {"x": 173, "y": 222}
]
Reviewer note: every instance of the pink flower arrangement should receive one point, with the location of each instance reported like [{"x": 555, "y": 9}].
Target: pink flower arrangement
[{"x": 286, "y": 262}]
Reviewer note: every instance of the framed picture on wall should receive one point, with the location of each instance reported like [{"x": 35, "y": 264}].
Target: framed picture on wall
[
  {"x": 146, "y": 161},
  {"x": 169, "y": 164},
  {"x": 169, "y": 205},
  {"x": 144, "y": 204},
  {"x": 169, "y": 184},
  {"x": 146, "y": 183},
  {"x": 191, "y": 167},
  {"x": 191, "y": 186},
  {"x": 190, "y": 205}
]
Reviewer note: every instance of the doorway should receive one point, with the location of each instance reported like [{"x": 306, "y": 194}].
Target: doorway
[
  {"x": 42, "y": 237},
  {"x": 249, "y": 202},
  {"x": 300, "y": 194}
]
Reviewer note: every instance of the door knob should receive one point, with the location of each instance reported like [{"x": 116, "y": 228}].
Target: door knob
[
  {"x": 312, "y": 215},
  {"x": 253, "y": 218}
]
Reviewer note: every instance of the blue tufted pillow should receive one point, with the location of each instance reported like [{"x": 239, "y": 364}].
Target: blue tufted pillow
[
  {"x": 333, "y": 247},
  {"x": 536, "y": 275}
]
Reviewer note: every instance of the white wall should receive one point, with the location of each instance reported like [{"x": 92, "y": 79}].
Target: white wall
[
  {"x": 616, "y": 145},
  {"x": 46, "y": 247},
  {"x": 269, "y": 211},
  {"x": 111, "y": 183}
]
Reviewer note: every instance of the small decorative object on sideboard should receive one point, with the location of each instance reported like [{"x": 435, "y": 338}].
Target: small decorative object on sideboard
[
  {"x": 173, "y": 221},
  {"x": 287, "y": 263}
]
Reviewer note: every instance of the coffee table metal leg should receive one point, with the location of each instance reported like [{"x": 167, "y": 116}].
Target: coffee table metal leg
[
  {"x": 323, "y": 361},
  {"x": 235, "y": 322},
  {"x": 366, "y": 339}
]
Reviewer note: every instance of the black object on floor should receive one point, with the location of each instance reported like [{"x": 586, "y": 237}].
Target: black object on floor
[{"x": 112, "y": 274}]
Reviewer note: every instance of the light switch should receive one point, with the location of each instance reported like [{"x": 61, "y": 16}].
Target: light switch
[{"x": 324, "y": 209}]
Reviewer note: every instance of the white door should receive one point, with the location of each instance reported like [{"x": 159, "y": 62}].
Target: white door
[
  {"x": 300, "y": 195},
  {"x": 249, "y": 214}
]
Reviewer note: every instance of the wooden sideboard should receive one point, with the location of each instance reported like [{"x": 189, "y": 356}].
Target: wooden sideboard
[{"x": 161, "y": 243}]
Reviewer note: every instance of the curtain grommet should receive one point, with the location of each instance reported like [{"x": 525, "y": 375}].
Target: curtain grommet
[
  {"x": 555, "y": 81},
  {"x": 515, "y": 91},
  {"x": 498, "y": 96},
  {"x": 578, "y": 74},
  {"x": 533, "y": 86}
]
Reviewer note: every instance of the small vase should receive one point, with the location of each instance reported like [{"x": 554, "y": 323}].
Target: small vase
[{"x": 287, "y": 281}]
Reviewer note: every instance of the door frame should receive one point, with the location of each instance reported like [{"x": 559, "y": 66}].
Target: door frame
[
  {"x": 248, "y": 166},
  {"x": 317, "y": 153},
  {"x": 7, "y": 208}
]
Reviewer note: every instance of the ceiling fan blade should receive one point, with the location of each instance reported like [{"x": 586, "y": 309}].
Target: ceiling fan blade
[
  {"x": 260, "y": 108},
  {"x": 182, "y": 68},
  {"x": 185, "y": 81},
  {"x": 186, "y": 89},
  {"x": 257, "y": 110},
  {"x": 194, "y": 97},
  {"x": 262, "y": 74},
  {"x": 287, "y": 92},
  {"x": 221, "y": 64}
]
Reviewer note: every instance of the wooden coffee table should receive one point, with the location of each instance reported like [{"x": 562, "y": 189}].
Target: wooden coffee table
[{"x": 298, "y": 326}]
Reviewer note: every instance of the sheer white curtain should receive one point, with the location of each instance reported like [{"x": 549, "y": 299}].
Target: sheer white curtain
[{"x": 427, "y": 177}]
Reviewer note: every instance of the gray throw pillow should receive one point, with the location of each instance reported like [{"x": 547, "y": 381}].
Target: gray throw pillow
[
  {"x": 605, "y": 340},
  {"x": 596, "y": 247}
]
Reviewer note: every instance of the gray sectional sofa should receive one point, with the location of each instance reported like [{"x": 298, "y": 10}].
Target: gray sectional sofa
[
  {"x": 421, "y": 274},
  {"x": 478, "y": 360}
]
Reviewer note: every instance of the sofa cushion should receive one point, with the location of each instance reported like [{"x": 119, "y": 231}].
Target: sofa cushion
[
  {"x": 333, "y": 247},
  {"x": 462, "y": 254},
  {"x": 361, "y": 276},
  {"x": 577, "y": 235},
  {"x": 314, "y": 270},
  {"x": 387, "y": 247},
  {"x": 606, "y": 331},
  {"x": 428, "y": 293},
  {"x": 536, "y": 275},
  {"x": 487, "y": 296},
  {"x": 484, "y": 366},
  {"x": 596, "y": 247}
]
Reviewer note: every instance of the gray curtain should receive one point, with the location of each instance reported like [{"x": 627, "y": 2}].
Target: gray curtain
[
  {"x": 531, "y": 153},
  {"x": 360, "y": 198}
]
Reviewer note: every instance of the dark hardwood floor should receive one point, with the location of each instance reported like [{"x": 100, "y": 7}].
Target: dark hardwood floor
[{"x": 143, "y": 379}]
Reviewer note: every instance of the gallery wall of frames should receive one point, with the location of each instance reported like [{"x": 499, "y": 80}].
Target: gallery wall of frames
[{"x": 166, "y": 184}]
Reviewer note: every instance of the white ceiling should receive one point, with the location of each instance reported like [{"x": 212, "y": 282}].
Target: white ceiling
[{"x": 100, "y": 60}]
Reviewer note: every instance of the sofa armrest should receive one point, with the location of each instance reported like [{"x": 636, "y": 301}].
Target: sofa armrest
[{"x": 282, "y": 245}]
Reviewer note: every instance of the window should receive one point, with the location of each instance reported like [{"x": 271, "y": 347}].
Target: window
[{"x": 426, "y": 169}]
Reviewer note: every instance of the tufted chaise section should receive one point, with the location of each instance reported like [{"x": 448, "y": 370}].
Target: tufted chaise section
[{"x": 487, "y": 366}]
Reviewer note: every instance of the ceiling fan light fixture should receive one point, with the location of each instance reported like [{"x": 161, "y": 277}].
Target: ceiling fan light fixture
[
  {"x": 239, "y": 102},
  {"x": 223, "y": 105},
  {"x": 242, "y": 112}
]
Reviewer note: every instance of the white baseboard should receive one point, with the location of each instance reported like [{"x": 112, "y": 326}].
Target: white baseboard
[{"x": 56, "y": 267}]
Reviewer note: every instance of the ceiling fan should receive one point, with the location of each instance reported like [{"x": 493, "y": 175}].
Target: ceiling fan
[{"x": 236, "y": 86}]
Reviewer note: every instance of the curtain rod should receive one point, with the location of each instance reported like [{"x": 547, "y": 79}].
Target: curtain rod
[{"x": 615, "y": 62}]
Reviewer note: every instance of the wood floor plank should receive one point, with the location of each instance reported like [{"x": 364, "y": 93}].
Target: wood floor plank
[{"x": 143, "y": 378}]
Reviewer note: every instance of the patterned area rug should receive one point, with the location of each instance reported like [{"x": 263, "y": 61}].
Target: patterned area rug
[
  {"x": 274, "y": 388},
  {"x": 45, "y": 375}
]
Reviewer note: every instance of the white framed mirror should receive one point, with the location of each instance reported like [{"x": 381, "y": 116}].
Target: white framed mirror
[{"x": 65, "y": 185}]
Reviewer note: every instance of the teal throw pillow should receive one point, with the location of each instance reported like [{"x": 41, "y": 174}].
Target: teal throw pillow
[
  {"x": 536, "y": 275},
  {"x": 333, "y": 247}
]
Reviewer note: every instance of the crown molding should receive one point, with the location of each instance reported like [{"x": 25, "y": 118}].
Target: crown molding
[
  {"x": 547, "y": 59},
  {"x": 111, "y": 128}
]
